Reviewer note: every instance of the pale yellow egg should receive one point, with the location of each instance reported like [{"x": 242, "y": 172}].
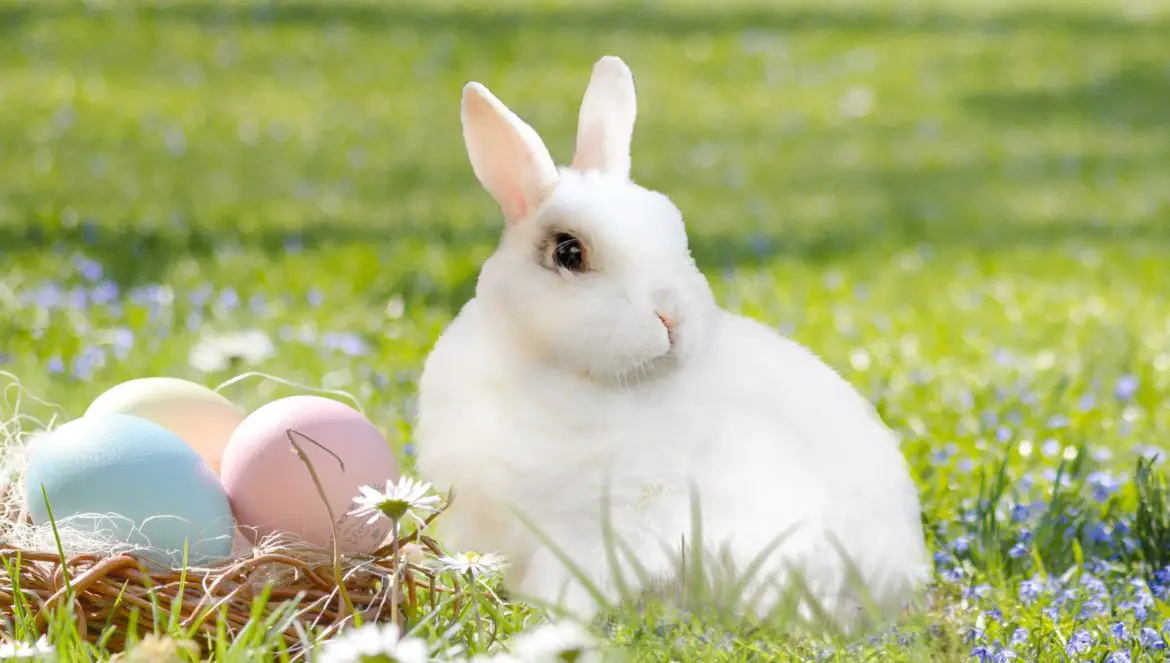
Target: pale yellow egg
[{"x": 198, "y": 415}]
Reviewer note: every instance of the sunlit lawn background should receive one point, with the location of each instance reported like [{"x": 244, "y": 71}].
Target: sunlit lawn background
[{"x": 964, "y": 206}]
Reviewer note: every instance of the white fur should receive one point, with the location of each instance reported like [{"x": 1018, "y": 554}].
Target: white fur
[{"x": 551, "y": 387}]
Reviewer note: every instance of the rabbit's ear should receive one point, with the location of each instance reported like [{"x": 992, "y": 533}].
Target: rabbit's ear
[
  {"x": 606, "y": 123},
  {"x": 508, "y": 157}
]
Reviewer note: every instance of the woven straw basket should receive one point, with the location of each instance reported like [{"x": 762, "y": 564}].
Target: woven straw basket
[{"x": 114, "y": 594}]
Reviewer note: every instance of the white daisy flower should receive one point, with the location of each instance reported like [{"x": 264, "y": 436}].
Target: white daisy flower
[
  {"x": 473, "y": 563},
  {"x": 399, "y": 500},
  {"x": 41, "y": 650},
  {"x": 218, "y": 352},
  {"x": 373, "y": 642},
  {"x": 555, "y": 641}
]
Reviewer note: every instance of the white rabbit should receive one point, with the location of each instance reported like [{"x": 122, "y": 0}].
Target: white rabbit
[{"x": 594, "y": 359}]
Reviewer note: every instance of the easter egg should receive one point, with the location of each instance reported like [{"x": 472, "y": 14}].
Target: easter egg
[
  {"x": 130, "y": 480},
  {"x": 198, "y": 415},
  {"x": 271, "y": 489}
]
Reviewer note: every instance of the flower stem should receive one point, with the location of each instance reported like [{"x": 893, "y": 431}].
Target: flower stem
[{"x": 394, "y": 584}]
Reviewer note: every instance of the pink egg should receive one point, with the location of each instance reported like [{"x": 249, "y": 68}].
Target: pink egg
[{"x": 271, "y": 490}]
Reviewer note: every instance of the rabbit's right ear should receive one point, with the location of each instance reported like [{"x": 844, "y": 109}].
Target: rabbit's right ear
[{"x": 508, "y": 157}]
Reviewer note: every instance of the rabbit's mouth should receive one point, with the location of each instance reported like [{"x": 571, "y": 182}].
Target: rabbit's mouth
[{"x": 655, "y": 368}]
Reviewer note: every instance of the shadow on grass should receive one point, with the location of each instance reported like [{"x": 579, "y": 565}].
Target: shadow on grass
[
  {"x": 1134, "y": 98},
  {"x": 903, "y": 232}
]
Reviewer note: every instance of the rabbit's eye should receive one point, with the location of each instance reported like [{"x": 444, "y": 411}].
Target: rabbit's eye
[{"x": 568, "y": 253}]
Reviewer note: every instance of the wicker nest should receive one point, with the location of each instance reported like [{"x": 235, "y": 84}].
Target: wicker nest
[
  {"x": 114, "y": 594},
  {"x": 308, "y": 593}
]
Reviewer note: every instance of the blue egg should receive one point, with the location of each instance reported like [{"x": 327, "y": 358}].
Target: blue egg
[{"x": 131, "y": 480}]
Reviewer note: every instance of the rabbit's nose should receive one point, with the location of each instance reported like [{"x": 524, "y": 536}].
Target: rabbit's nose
[{"x": 667, "y": 322}]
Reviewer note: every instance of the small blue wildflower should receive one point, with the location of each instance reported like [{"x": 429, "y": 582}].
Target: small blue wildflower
[
  {"x": 122, "y": 340},
  {"x": 1058, "y": 421},
  {"x": 1051, "y": 612},
  {"x": 104, "y": 293},
  {"x": 1087, "y": 402},
  {"x": 1050, "y": 447},
  {"x": 1142, "y": 599},
  {"x": 350, "y": 344},
  {"x": 200, "y": 295},
  {"x": 90, "y": 270},
  {"x": 1162, "y": 576},
  {"x": 1020, "y": 512},
  {"x": 1092, "y": 608},
  {"x": 1150, "y": 639},
  {"x": 1049, "y": 474},
  {"x": 1117, "y": 657},
  {"x": 1064, "y": 595},
  {"x": 48, "y": 296},
  {"x": 965, "y": 465},
  {"x": 975, "y": 634},
  {"x": 1098, "y": 566},
  {"x": 1003, "y": 656},
  {"x": 258, "y": 305},
  {"x": 1025, "y": 483},
  {"x": 228, "y": 298},
  {"x": 978, "y": 591},
  {"x": 1003, "y": 434},
  {"x": 1094, "y": 586},
  {"x": 1019, "y": 636},
  {"x": 78, "y": 298},
  {"x": 56, "y": 365},
  {"x": 1079, "y": 643},
  {"x": 942, "y": 558},
  {"x": 1119, "y": 631},
  {"x": 1126, "y": 387},
  {"x": 995, "y": 615},
  {"x": 87, "y": 362},
  {"x": 982, "y": 653},
  {"x": 1030, "y": 591},
  {"x": 1150, "y": 452},
  {"x": 1103, "y": 485},
  {"x": 316, "y": 297},
  {"x": 961, "y": 545},
  {"x": 1099, "y": 533},
  {"x": 1017, "y": 551},
  {"x": 952, "y": 575}
]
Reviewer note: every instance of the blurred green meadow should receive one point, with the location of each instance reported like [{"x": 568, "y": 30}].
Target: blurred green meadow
[{"x": 963, "y": 206}]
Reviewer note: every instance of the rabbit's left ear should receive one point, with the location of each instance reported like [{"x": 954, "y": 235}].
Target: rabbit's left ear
[{"x": 606, "y": 123}]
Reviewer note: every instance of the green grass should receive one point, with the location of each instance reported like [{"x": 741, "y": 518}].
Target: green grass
[{"x": 961, "y": 205}]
